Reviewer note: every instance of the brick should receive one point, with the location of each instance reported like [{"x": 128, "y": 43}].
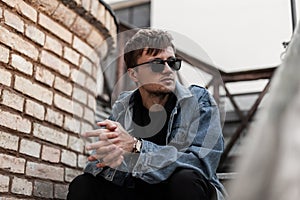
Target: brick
[
  {"x": 34, "y": 109},
  {"x": 21, "y": 186},
  {"x": 55, "y": 63},
  {"x": 4, "y": 54},
  {"x": 95, "y": 39},
  {"x": 49, "y": 134},
  {"x": 64, "y": 15},
  {"x": 44, "y": 171},
  {"x": 94, "y": 55},
  {"x": 53, "y": 45},
  {"x": 14, "y": 122},
  {"x": 92, "y": 102},
  {"x": 71, "y": 56},
  {"x": 30, "y": 148},
  {"x": 55, "y": 28},
  {"x": 63, "y": 103},
  {"x": 50, "y": 154},
  {"x": 68, "y": 105},
  {"x": 77, "y": 76},
  {"x": 86, "y": 65},
  {"x": 21, "y": 64},
  {"x": 26, "y": 10},
  {"x": 81, "y": 27},
  {"x": 13, "y": 21},
  {"x": 91, "y": 85},
  {"x": 100, "y": 15},
  {"x": 86, "y": 127},
  {"x": 12, "y": 164},
  {"x": 63, "y": 86},
  {"x": 54, "y": 117},
  {"x": 72, "y": 124},
  {"x": 78, "y": 2},
  {"x": 44, "y": 76},
  {"x": 4, "y": 183},
  {"x": 94, "y": 8},
  {"x": 97, "y": 73},
  {"x": 79, "y": 95},
  {"x": 89, "y": 115},
  {"x": 60, "y": 191},
  {"x": 108, "y": 17},
  {"x": 82, "y": 47},
  {"x": 86, "y": 4},
  {"x": 69, "y": 158},
  {"x": 82, "y": 161},
  {"x": 22, "y": 8},
  {"x": 43, "y": 189},
  {"x": 70, "y": 174},
  {"x": 9, "y": 141},
  {"x": 34, "y": 90},
  {"x": 5, "y": 77},
  {"x": 46, "y": 5},
  {"x": 76, "y": 144},
  {"x": 17, "y": 43},
  {"x": 35, "y": 34},
  {"x": 102, "y": 49},
  {"x": 12, "y": 100}
]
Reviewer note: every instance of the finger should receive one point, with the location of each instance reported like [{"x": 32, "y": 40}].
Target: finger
[
  {"x": 94, "y": 133},
  {"x": 97, "y": 145},
  {"x": 106, "y": 150},
  {"x": 110, "y": 125},
  {"x": 108, "y": 135}
]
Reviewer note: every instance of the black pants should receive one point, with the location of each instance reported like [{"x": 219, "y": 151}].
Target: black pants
[{"x": 183, "y": 184}]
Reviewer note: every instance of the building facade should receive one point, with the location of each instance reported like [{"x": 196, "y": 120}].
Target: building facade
[{"x": 50, "y": 65}]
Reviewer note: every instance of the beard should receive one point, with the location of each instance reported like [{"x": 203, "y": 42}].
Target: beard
[{"x": 157, "y": 89}]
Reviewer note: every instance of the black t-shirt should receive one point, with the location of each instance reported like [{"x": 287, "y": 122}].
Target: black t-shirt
[{"x": 152, "y": 126}]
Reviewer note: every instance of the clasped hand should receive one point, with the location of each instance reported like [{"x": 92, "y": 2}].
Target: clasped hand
[{"x": 114, "y": 141}]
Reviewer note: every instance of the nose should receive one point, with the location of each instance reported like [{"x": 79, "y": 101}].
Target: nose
[{"x": 167, "y": 68}]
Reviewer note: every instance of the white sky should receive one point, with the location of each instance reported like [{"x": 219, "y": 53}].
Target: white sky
[{"x": 236, "y": 34}]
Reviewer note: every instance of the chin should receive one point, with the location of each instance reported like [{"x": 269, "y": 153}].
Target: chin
[{"x": 159, "y": 88}]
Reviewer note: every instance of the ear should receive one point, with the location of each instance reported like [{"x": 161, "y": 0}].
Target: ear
[{"x": 132, "y": 73}]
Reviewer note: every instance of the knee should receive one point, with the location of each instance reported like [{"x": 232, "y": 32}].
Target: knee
[
  {"x": 189, "y": 184},
  {"x": 186, "y": 177}
]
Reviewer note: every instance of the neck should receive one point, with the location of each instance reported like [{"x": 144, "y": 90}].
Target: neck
[{"x": 154, "y": 101}]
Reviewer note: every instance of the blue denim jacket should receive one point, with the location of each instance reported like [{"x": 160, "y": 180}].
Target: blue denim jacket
[{"x": 194, "y": 140}]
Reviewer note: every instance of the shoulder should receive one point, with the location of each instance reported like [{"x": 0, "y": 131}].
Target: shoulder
[{"x": 202, "y": 94}]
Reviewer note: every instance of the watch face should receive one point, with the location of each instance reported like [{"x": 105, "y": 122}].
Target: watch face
[{"x": 138, "y": 145}]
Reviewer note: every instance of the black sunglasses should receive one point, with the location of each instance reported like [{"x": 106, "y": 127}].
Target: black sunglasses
[{"x": 158, "y": 65}]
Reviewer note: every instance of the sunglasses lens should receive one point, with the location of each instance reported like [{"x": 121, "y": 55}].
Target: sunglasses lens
[
  {"x": 157, "y": 67},
  {"x": 174, "y": 64}
]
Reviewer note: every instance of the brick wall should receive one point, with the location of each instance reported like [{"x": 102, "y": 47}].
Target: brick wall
[{"x": 49, "y": 58}]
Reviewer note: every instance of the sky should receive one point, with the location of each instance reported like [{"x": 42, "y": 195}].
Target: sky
[{"x": 235, "y": 35}]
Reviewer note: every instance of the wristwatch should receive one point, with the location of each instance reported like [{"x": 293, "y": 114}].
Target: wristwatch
[{"x": 137, "y": 145}]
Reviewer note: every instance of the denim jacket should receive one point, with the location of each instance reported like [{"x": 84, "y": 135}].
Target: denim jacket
[{"x": 194, "y": 140}]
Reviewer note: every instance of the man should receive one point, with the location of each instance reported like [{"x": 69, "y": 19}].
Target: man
[{"x": 162, "y": 141}]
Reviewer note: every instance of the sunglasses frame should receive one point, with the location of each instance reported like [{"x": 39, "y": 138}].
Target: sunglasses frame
[{"x": 158, "y": 61}]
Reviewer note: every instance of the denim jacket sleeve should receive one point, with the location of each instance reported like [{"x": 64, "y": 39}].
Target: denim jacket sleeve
[{"x": 195, "y": 142}]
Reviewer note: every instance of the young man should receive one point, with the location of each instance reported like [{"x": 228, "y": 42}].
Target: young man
[{"x": 162, "y": 141}]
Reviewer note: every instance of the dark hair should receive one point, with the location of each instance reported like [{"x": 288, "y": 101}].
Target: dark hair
[{"x": 154, "y": 40}]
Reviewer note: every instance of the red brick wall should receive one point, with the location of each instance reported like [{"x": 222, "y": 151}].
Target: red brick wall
[{"x": 49, "y": 59}]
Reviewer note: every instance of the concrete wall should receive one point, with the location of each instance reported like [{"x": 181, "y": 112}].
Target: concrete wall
[{"x": 49, "y": 58}]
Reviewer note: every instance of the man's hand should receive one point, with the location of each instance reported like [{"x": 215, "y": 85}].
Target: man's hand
[
  {"x": 123, "y": 139},
  {"x": 113, "y": 142}
]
